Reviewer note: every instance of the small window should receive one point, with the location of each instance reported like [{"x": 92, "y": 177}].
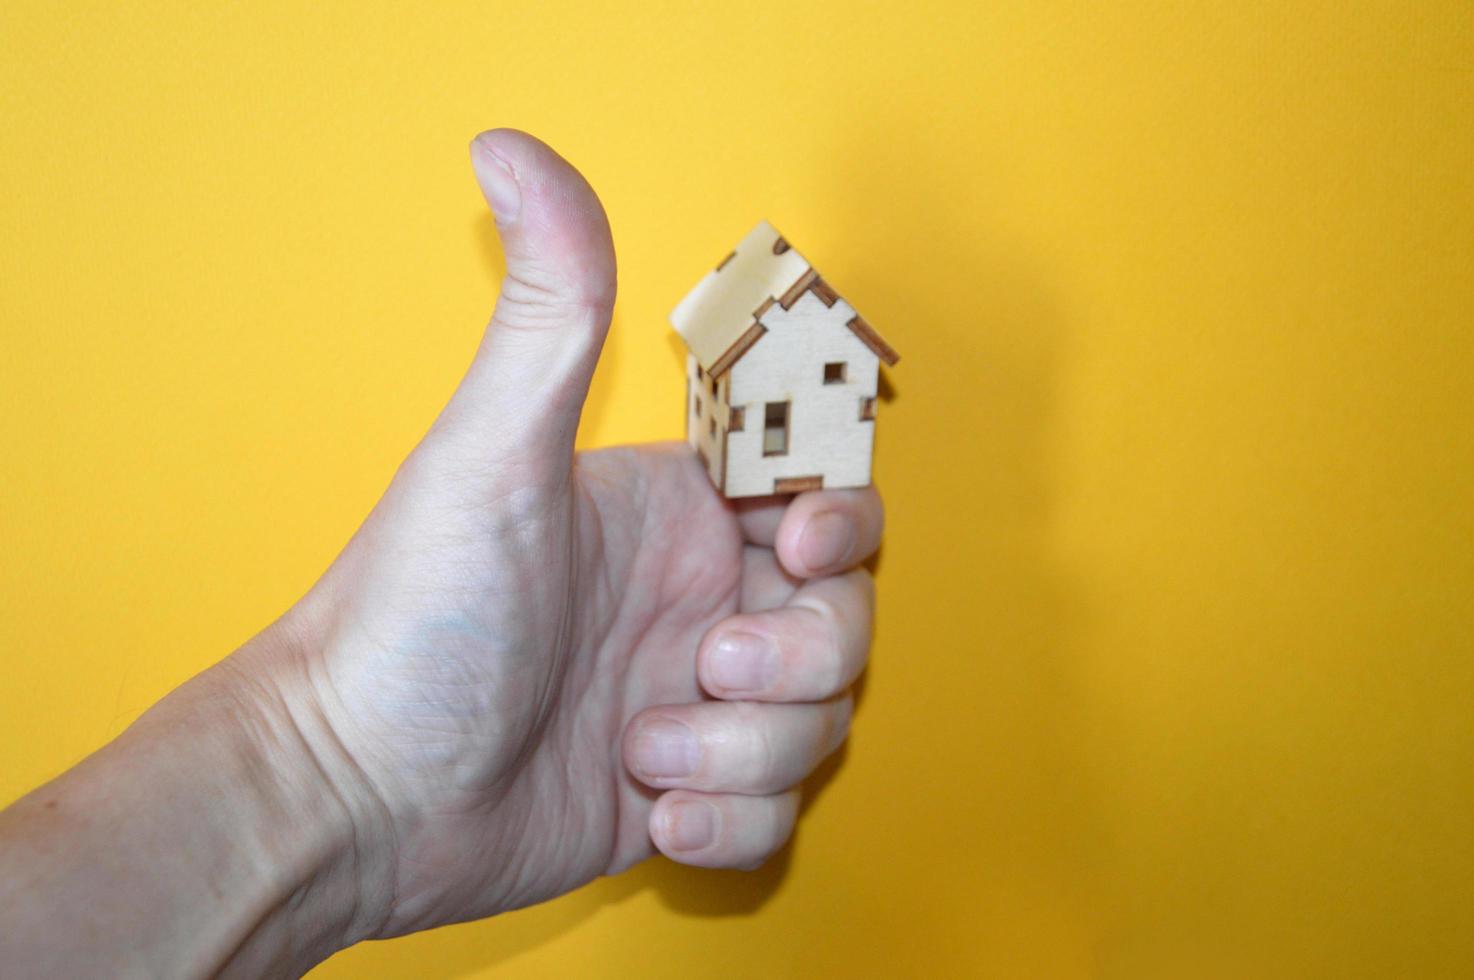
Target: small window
[
  {"x": 697, "y": 406},
  {"x": 775, "y": 429},
  {"x": 834, "y": 373},
  {"x": 713, "y": 426},
  {"x": 867, "y": 409},
  {"x": 735, "y": 420},
  {"x": 713, "y": 380}
]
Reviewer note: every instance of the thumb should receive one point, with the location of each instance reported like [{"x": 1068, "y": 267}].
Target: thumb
[{"x": 520, "y": 401}]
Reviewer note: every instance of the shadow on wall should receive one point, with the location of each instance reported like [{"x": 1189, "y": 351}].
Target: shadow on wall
[
  {"x": 969, "y": 588},
  {"x": 966, "y": 434}
]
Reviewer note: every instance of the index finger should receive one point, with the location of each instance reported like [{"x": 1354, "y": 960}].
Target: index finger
[{"x": 819, "y": 532}]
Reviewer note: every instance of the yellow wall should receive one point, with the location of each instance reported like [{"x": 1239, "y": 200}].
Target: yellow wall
[{"x": 1174, "y": 667}]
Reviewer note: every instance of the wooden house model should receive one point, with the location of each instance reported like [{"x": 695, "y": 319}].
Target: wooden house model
[{"x": 782, "y": 374}]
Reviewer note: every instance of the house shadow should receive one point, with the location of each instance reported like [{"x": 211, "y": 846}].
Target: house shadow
[
  {"x": 981, "y": 335},
  {"x": 965, "y": 458}
]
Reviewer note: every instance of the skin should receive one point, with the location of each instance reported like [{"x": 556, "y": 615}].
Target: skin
[{"x": 528, "y": 668}]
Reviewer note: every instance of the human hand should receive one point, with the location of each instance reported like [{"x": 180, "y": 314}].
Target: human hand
[{"x": 527, "y": 665}]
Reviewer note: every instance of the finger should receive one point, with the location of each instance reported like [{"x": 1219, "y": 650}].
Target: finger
[
  {"x": 722, "y": 831},
  {"x": 829, "y": 531},
  {"x": 818, "y": 532},
  {"x": 811, "y": 649},
  {"x": 759, "y": 517},
  {"x": 765, "y": 585},
  {"x": 733, "y": 747},
  {"x": 522, "y": 396}
]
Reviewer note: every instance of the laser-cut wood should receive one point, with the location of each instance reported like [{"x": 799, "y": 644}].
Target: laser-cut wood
[
  {"x": 764, "y": 328},
  {"x": 798, "y": 484}
]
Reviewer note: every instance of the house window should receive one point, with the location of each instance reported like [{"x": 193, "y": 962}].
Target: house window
[
  {"x": 834, "y": 373},
  {"x": 713, "y": 426},
  {"x": 697, "y": 407},
  {"x": 867, "y": 409},
  {"x": 713, "y": 380},
  {"x": 775, "y": 429},
  {"x": 735, "y": 420}
]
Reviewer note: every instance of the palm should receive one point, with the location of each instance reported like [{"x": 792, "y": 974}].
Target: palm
[
  {"x": 659, "y": 562},
  {"x": 510, "y": 739}
]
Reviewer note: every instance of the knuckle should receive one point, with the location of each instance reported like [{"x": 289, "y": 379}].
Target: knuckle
[
  {"x": 822, "y": 608},
  {"x": 840, "y": 720},
  {"x": 838, "y": 642},
  {"x": 776, "y": 819},
  {"x": 533, "y": 297},
  {"x": 837, "y": 666},
  {"x": 827, "y": 656},
  {"x": 764, "y": 755}
]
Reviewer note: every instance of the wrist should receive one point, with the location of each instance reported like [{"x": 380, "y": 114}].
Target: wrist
[
  {"x": 324, "y": 833},
  {"x": 214, "y": 836}
]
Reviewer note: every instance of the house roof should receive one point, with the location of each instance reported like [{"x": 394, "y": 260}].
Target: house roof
[{"x": 722, "y": 317}]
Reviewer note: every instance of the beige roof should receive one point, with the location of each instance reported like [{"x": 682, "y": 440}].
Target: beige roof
[
  {"x": 721, "y": 318},
  {"x": 715, "y": 314}
]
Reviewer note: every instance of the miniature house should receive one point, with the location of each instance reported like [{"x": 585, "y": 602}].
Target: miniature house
[{"x": 782, "y": 374}]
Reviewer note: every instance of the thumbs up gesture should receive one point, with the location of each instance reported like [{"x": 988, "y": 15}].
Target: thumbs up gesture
[{"x": 528, "y": 668}]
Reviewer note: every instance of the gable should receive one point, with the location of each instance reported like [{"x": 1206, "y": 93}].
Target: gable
[
  {"x": 723, "y": 317},
  {"x": 804, "y": 329},
  {"x": 796, "y": 345}
]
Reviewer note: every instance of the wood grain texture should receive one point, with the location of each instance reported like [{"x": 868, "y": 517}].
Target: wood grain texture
[
  {"x": 714, "y": 315},
  {"x": 826, "y": 438},
  {"x": 765, "y": 330},
  {"x": 798, "y": 484}
]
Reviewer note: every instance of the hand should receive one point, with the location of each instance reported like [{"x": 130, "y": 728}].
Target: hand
[{"x": 528, "y": 666}]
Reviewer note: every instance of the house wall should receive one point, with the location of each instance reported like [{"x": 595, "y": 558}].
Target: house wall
[
  {"x": 826, "y": 434},
  {"x": 701, "y": 408}
]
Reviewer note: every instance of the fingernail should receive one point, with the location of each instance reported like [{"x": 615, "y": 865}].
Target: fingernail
[
  {"x": 826, "y": 540},
  {"x": 744, "y": 662},
  {"x": 666, "y": 749},
  {"x": 498, "y": 183},
  {"x": 691, "y": 825}
]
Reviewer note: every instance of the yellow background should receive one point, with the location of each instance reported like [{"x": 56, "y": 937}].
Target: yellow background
[{"x": 1173, "y": 672}]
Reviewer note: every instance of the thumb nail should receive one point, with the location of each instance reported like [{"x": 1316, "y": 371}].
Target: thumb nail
[{"x": 498, "y": 183}]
